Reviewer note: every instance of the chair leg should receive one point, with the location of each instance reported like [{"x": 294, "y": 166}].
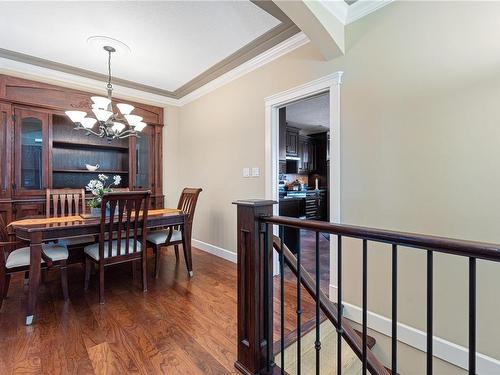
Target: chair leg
[
  {"x": 45, "y": 275},
  {"x": 144, "y": 272},
  {"x": 101, "y": 283},
  {"x": 64, "y": 280},
  {"x": 4, "y": 287},
  {"x": 176, "y": 249},
  {"x": 88, "y": 267},
  {"x": 156, "y": 252}
]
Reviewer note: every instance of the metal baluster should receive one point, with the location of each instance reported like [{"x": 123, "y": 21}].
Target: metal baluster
[
  {"x": 282, "y": 306},
  {"x": 339, "y": 305},
  {"x": 365, "y": 300},
  {"x": 299, "y": 309},
  {"x": 472, "y": 316},
  {"x": 267, "y": 285},
  {"x": 429, "y": 311},
  {"x": 394, "y": 360},
  {"x": 317, "y": 344}
]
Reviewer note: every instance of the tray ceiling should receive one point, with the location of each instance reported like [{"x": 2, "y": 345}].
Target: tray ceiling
[{"x": 173, "y": 44}]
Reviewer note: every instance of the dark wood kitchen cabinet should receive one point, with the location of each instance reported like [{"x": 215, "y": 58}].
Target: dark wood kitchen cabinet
[
  {"x": 40, "y": 149},
  {"x": 292, "y": 141},
  {"x": 307, "y": 154},
  {"x": 282, "y": 134}
]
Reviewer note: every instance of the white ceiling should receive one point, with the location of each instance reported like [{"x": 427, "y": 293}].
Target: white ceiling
[
  {"x": 312, "y": 115},
  {"x": 172, "y": 42}
]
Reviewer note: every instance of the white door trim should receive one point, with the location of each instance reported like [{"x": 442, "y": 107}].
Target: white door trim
[{"x": 330, "y": 83}]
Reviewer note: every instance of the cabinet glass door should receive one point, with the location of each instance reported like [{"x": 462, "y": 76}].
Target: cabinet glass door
[
  {"x": 5, "y": 149},
  {"x": 31, "y": 151},
  {"x": 143, "y": 159}
]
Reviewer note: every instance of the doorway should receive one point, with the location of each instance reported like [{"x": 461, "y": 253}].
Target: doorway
[{"x": 329, "y": 86}]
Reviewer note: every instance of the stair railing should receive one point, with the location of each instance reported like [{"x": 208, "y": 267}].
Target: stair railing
[{"x": 255, "y": 287}]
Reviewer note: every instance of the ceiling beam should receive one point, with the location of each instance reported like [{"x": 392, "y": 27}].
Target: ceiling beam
[{"x": 322, "y": 27}]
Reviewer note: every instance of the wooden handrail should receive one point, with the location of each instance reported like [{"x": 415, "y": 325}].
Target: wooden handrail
[
  {"x": 330, "y": 310},
  {"x": 479, "y": 250}
]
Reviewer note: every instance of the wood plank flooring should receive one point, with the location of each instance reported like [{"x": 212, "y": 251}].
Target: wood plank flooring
[{"x": 180, "y": 326}]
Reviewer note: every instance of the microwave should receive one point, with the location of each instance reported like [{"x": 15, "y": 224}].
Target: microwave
[{"x": 292, "y": 165}]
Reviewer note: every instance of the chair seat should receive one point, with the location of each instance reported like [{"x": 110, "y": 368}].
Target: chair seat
[
  {"x": 93, "y": 250},
  {"x": 21, "y": 257},
  {"x": 159, "y": 237},
  {"x": 77, "y": 240}
]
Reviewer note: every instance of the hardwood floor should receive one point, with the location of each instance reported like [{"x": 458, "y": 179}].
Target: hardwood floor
[{"x": 180, "y": 326}]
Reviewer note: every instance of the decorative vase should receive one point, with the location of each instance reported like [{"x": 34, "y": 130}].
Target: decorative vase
[{"x": 95, "y": 211}]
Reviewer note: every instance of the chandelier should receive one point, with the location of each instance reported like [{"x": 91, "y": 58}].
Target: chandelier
[{"x": 110, "y": 125}]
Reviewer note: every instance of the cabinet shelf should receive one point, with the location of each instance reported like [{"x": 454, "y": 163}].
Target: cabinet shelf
[
  {"x": 76, "y": 145},
  {"x": 87, "y": 171}
]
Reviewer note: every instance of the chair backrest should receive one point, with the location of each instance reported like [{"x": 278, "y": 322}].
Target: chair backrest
[
  {"x": 121, "y": 216},
  {"x": 115, "y": 190},
  {"x": 187, "y": 201},
  {"x": 65, "y": 202}
]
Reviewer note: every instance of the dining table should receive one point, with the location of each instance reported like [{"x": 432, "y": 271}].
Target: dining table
[{"x": 40, "y": 230}]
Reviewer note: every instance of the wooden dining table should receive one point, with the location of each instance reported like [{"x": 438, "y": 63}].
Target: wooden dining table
[{"x": 39, "y": 230}]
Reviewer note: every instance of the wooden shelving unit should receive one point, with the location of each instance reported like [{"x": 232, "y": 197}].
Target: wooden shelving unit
[{"x": 72, "y": 149}]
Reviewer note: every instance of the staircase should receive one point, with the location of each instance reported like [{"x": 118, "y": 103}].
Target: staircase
[{"x": 351, "y": 364}]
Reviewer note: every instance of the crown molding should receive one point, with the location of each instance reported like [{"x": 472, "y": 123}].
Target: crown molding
[
  {"x": 68, "y": 79},
  {"x": 362, "y": 8},
  {"x": 264, "y": 58},
  {"x": 350, "y": 13},
  {"x": 71, "y": 80}
]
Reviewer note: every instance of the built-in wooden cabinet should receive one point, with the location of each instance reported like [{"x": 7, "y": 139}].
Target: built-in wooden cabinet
[
  {"x": 31, "y": 151},
  {"x": 40, "y": 149},
  {"x": 5, "y": 150}
]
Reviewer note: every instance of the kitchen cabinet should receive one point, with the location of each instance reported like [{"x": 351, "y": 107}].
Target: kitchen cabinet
[
  {"x": 282, "y": 134},
  {"x": 291, "y": 207},
  {"x": 292, "y": 141},
  {"x": 307, "y": 154}
]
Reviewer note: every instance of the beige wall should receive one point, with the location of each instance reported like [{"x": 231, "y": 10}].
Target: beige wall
[{"x": 420, "y": 150}]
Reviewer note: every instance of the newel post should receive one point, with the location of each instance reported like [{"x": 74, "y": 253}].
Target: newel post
[{"x": 255, "y": 289}]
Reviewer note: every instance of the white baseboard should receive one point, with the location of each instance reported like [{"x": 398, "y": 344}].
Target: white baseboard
[
  {"x": 443, "y": 349},
  {"x": 215, "y": 250}
]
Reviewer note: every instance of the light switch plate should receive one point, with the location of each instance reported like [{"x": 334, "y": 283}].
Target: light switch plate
[
  {"x": 246, "y": 172},
  {"x": 255, "y": 172}
]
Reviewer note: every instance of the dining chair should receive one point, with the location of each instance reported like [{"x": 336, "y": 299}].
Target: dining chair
[
  {"x": 67, "y": 202},
  {"x": 14, "y": 258},
  {"x": 120, "y": 212},
  {"x": 173, "y": 236}
]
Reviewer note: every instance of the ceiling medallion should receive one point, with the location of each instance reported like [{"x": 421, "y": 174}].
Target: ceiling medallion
[{"x": 111, "y": 125}]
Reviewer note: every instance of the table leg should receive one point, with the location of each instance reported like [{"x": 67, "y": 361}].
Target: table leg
[
  {"x": 34, "y": 274},
  {"x": 186, "y": 246}
]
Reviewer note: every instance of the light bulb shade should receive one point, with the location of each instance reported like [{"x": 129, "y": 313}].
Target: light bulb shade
[
  {"x": 118, "y": 127},
  {"x": 101, "y": 101},
  {"x": 76, "y": 116},
  {"x": 88, "y": 122},
  {"x": 133, "y": 120},
  {"x": 125, "y": 109},
  {"x": 101, "y": 114},
  {"x": 140, "y": 126}
]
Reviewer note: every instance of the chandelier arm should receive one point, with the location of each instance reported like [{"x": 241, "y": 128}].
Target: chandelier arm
[{"x": 90, "y": 131}]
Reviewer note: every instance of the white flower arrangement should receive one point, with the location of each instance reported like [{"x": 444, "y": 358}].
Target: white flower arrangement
[{"x": 98, "y": 188}]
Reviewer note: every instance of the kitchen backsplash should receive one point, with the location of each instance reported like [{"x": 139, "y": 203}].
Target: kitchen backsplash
[{"x": 292, "y": 177}]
